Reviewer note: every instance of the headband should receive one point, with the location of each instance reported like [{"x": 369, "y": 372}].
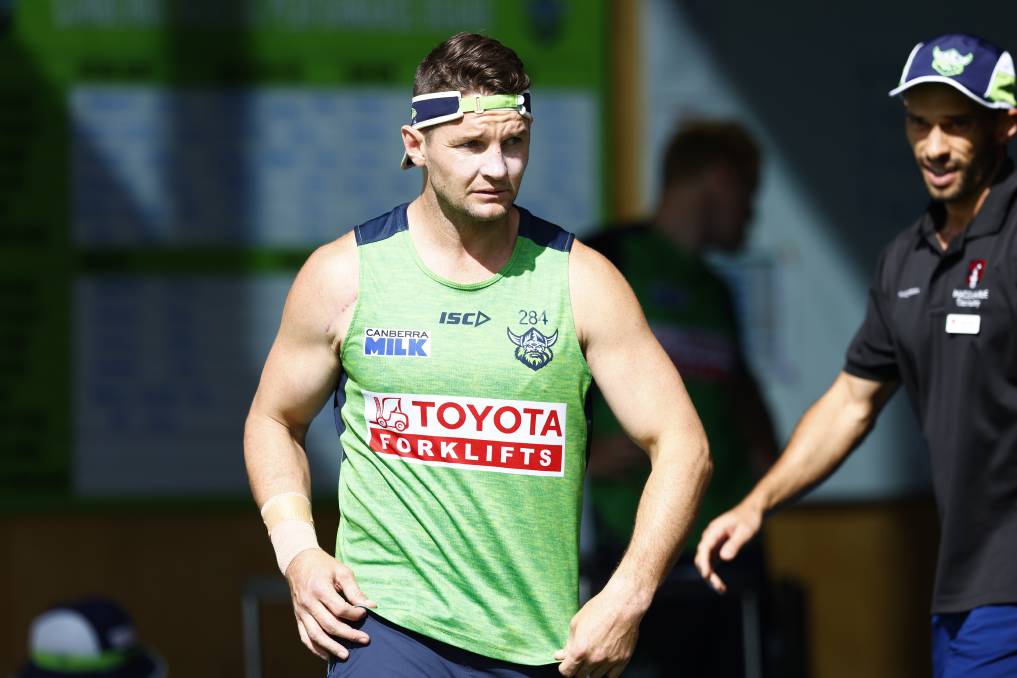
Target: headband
[{"x": 438, "y": 107}]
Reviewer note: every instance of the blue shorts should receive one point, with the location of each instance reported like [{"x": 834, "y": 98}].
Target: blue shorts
[
  {"x": 395, "y": 652},
  {"x": 982, "y": 642}
]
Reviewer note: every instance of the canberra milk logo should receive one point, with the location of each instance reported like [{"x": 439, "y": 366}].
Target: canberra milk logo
[
  {"x": 533, "y": 348},
  {"x": 950, "y": 63},
  {"x": 480, "y": 434},
  {"x": 972, "y": 297},
  {"x": 403, "y": 343}
]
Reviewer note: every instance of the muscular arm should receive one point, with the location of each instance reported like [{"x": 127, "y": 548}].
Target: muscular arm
[
  {"x": 644, "y": 391},
  {"x": 829, "y": 431},
  {"x": 301, "y": 371}
]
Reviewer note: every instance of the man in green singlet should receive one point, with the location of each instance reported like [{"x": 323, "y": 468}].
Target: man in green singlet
[
  {"x": 457, "y": 336},
  {"x": 709, "y": 178}
]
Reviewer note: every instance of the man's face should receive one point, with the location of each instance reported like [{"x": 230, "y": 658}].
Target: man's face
[
  {"x": 954, "y": 141},
  {"x": 731, "y": 206},
  {"x": 475, "y": 165}
]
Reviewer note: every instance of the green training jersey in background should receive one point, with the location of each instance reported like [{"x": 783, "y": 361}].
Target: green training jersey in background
[
  {"x": 462, "y": 420},
  {"x": 690, "y": 311}
]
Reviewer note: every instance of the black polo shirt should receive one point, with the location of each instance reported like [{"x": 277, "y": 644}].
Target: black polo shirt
[{"x": 962, "y": 383}]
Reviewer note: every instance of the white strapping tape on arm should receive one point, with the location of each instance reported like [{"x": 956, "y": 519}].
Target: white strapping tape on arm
[{"x": 290, "y": 526}]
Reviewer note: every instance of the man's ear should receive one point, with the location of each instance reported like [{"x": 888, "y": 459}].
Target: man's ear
[
  {"x": 413, "y": 143},
  {"x": 1008, "y": 125}
]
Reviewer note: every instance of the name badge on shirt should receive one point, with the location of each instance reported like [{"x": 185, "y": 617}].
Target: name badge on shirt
[{"x": 963, "y": 323}]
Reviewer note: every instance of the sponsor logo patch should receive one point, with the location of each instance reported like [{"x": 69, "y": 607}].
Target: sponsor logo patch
[
  {"x": 972, "y": 297},
  {"x": 976, "y": 269},
  {"x": 471, "y": 318},
  {"x": 397, "y": 343},
  {"x": 533, "y": 347},
  {"x": 483, "y": 434}
]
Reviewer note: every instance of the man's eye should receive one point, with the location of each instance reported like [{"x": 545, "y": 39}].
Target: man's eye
[{"x": 473, "y": 144}]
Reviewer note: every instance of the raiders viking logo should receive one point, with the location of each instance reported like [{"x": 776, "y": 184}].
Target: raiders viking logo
[{"x": 533, "y": 348}]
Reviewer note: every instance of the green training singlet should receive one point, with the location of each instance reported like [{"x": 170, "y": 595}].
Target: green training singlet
[
  {"x": 463, "y": 427},
  {"x": 692, "y": 315}
]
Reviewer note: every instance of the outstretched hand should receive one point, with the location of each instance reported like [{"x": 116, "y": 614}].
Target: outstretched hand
[{"x": 723, "y": 538}]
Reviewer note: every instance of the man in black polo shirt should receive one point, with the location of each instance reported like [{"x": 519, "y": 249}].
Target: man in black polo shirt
[{"x": 941, "y": 319}]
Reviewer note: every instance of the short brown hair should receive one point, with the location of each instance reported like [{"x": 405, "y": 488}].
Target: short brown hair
[
  {"x": 470, "y": 62},
  {"x": 700, "y": 144}
]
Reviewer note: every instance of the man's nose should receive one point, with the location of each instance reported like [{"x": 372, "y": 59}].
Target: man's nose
[
  {"x": 936, "y": 147},
  {"x": 494, "y": 163}
]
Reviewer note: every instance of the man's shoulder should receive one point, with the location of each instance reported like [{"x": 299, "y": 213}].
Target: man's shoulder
[
  {"x": 543, "y": 232},
  {"x": 904, "y": 240},
  {"x": 331, "y": 272},
  {"x": 381, "y": 227},
  {"x": 894, "y": 254}
]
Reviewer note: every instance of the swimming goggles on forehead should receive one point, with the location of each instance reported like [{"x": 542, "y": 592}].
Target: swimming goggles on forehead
[{"x": 439, "y": 107}]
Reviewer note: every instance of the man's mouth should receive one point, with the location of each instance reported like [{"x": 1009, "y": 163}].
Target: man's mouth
[{"x": 940, "y": 177}]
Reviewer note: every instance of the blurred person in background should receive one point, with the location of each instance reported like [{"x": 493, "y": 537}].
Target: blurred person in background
[
  {"x": 458, "y": 335},
  {"x": 709, "y": 180},
  {"x": 88, "y": 638},
  {"x": 940, "y": 320}
]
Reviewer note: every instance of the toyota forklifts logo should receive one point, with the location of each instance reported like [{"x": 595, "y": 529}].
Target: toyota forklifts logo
[
  {"x": 479, "y": 434},
  {"x": 388, "y": 413}
]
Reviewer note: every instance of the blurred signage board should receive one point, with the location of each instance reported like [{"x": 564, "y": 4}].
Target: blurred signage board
[{"x": 166, "y": 166}]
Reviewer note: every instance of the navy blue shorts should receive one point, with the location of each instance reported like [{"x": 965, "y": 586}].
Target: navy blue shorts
[
  {"x": 982, "y": 642},
  {"x": 395, "y": 652}
]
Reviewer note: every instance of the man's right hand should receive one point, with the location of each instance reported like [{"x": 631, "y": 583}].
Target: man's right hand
[
  {"x": 723, "y": 538},
  {"x": 324, "y": 594}
]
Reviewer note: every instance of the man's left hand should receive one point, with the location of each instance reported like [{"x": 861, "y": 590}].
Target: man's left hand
[{"x": 602, "y": 636}]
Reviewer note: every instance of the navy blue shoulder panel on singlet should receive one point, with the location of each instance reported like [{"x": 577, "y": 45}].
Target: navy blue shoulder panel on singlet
[
  {"x": 544, "y": 233},
  {"x": 383, "y": 227}
]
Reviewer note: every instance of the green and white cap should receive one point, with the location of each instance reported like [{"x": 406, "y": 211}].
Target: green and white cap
[{"x": 92, "y": 638}]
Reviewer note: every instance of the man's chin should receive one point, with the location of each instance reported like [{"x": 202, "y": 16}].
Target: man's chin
[
  {"x": 489, "y": 211},
  {"x": 951, "y": 193}
]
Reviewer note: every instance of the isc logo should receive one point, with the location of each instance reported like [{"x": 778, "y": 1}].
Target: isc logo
[{"x": 474, "y": 319}]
